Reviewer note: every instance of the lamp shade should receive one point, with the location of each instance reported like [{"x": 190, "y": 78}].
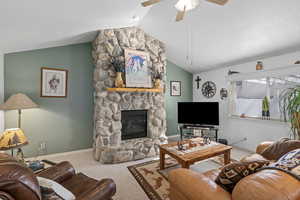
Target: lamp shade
[
  {"x": 18, "y": 102},
  {"x": 12, "y": 138}
]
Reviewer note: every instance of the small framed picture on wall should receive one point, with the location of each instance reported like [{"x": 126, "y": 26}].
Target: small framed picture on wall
[
  {"x": 54, "y": 82},
  {"x": 175, "y": 88}
]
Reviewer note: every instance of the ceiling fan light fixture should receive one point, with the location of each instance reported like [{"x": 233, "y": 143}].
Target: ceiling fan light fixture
[{"x": 186, "y": 5}]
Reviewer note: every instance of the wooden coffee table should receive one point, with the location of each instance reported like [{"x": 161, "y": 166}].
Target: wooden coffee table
[{"x": 187, "y": 159}]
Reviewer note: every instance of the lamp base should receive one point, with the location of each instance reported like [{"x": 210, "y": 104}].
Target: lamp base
[{"x": 20, "y": 155}]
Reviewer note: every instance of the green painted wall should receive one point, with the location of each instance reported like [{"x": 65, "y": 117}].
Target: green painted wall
[
  {"x": 175, "y": 73},
  {"x": 65, "y": 124}
]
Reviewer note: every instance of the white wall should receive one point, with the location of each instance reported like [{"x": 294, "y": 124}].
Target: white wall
[
  {"x": 255, "y": 131},
  {"x": 1, "y": 91}
]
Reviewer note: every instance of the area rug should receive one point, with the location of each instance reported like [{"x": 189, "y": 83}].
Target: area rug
[{"x": 155, "y": 181}]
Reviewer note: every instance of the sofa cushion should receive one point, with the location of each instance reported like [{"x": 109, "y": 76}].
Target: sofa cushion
[
  {"x": 232, "y": 173},
  {"x": 253, "y": 157},
  {"x": 86, "y": 183},
  {"x": 267, "y": 185},
  {"x": 278, "y": 149}
]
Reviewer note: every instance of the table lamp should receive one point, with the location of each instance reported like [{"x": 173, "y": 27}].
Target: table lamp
[
  {"x": 11, "y": 139},
  {"x": 18, "y": 102}
]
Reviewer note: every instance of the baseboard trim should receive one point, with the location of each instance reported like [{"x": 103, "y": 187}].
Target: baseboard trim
[
  {"x": 243, "y": 149},
  {"x": 173, "y": 136},
  {"x": 65, "y": 153}
]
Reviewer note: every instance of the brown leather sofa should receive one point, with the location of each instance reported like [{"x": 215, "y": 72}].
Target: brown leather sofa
[
  {"x": 17, "y": 182},
  {"x": 263, "y": 185}
]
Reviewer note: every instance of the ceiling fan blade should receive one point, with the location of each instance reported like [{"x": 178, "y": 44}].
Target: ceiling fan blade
[
  {"x": 150, "y": 2},
  {"x": 220, "y": 2},
  {"x": 180, "y": 15}
]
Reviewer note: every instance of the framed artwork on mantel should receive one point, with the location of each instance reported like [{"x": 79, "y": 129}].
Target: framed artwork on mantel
[
  {"x": 137, "y": 72},
  {"x": 54, "y": 82},
  {"x": 175, "y": 88}
]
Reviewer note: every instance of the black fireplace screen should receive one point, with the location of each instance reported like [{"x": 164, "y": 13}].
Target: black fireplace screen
[{"x": 134, "y": 124}]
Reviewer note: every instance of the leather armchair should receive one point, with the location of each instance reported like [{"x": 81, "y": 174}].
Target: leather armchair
[
  {"x": 263, "y": 185},
  {"x": 17, "y": 182}
]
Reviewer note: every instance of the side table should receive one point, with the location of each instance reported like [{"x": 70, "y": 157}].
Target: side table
[{"x": 39, "y": 165}]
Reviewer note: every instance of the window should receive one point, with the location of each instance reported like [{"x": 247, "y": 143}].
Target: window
[{"x": 248, "y": 94}]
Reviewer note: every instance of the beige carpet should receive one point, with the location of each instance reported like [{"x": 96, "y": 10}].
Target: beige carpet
[{"x": 127, "y": 187}]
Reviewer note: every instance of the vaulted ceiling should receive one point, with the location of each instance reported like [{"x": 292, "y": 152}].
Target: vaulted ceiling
[
  {"x": 33, "y": 24},
  {"x": 210, "y": 36},
  {"x": 217, "y": 36}
]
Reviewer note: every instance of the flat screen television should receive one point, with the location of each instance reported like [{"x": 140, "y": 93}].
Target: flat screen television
[{"x": 198, "y": 113}]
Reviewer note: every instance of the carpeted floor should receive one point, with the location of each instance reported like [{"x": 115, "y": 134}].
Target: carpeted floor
[{"x": 127, "y": 187}]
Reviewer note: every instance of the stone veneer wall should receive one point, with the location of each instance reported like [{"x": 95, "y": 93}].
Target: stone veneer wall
[{"x": 108, "y": 146}]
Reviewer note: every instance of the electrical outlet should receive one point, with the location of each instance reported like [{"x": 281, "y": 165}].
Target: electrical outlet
[
  {"x": 43, "y": 146},
  {"x": 239, "y": 141},
  {"x": 42, "y": 149}
]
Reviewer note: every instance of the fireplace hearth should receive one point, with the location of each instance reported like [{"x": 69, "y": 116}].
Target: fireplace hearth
[{"x": 134, "y": 124}]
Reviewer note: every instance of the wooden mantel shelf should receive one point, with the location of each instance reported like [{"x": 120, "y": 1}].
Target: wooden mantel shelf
[{"x": 134, "y": 90}]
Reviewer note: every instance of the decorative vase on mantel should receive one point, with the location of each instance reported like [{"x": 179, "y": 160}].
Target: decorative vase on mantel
[
  {"x": 119, "y": 68},
  {"x": 157, "y": 84},
  {"x": 119, "y": 83},
  {"x": 157, "y": 79}
]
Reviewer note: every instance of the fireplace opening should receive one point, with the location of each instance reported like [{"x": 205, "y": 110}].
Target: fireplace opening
[{"x": 134, "y": 124}]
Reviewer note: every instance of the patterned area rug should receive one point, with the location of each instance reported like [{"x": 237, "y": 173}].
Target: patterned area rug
[{"x": 155, "y": 181}]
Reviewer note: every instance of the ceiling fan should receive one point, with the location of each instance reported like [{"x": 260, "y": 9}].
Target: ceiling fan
[{"x": 184, "y": 5}]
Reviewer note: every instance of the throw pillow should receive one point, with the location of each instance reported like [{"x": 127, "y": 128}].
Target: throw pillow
[
  {"x": 278, "y": 149},
  {"x": 232, "y": 173},
  {"x": 289, "y": 163},
  {"x": 56, "y": 187}
]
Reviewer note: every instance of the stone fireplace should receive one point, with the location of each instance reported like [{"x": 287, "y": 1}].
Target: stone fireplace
[{"x": 128, "y": 125}]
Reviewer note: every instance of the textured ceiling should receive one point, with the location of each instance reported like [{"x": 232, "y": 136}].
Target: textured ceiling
[{"x": 211, "y": 36}]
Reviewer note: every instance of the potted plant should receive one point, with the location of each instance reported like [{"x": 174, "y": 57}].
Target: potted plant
[
  {"x": 158, "y": 76},
  {"x": 119, "y": 68},
  {"x": 290, "y": 107}
]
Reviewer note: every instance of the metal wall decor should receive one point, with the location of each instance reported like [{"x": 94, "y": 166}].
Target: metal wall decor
[
  {"x": 230, "y": 72},
  {"x": 223, "y": 93},
  {"x": 198, "y": 79},
  {"x": 209, "y": 89}
]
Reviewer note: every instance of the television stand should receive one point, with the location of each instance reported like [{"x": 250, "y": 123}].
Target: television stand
[
  {"x": 202, "y": 128},
  {"x": 197, "y": 126}
]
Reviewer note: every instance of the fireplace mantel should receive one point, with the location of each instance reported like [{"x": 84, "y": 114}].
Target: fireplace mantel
[{"x": 159, "y": 90}]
